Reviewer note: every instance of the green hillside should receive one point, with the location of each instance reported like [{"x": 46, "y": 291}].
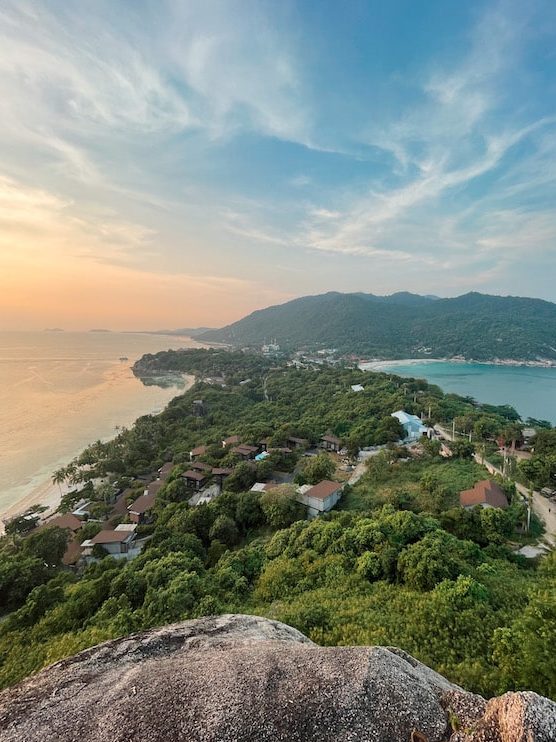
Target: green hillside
[{"x": 404, "y": 325}]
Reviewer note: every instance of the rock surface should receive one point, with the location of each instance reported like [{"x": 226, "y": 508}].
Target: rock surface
[{"x": 246, "y": 679}]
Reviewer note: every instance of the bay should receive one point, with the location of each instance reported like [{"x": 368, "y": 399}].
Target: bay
[
  {"x": 531, "y": 390},
  {"x": 59, "y": 392}
]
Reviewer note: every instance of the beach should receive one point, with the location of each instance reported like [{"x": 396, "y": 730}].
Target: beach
[{"x": 61, "y": 392}]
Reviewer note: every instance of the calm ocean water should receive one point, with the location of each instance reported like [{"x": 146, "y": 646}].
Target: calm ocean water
[
  {"x": 532, "y": 391},
  {"x": 60, "y": 391}
]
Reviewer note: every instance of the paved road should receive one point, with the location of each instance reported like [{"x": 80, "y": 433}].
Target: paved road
[{"x": 542, "y": 507}]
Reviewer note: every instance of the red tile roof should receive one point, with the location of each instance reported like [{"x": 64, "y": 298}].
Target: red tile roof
[
  {"x": 323, "y": 489},
  {"x": 485, "y": 492}
]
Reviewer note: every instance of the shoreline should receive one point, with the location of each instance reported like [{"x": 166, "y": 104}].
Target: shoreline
[
  {"x": 379, "y": 364},
  {"x": 43, "y": 491}
]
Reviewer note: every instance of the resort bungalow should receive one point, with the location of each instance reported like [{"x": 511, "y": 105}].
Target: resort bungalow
[
  {"x": 153, "y": 487},
  {"x": 486, "y": 494},
  {"x": 232, "y": 440},
  {"x": 319, "y": 498},
  {"x": 245, "y": 452},
  {"x": 264, "y": 444},
  {"x": 117, "y": 542},
  {"x": 69, "y": 521},
  {"x": 200, "y": 466},
  {"x": 330, "y": 443},
  {"x": 412, "y": 425},
  {"x": 141, "y": 510},
  {"x": 197, "y": 451},
  {"x": 165, "y": 469},
  {"x": 195, "y": 479}
]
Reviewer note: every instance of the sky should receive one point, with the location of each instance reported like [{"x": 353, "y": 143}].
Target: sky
[{"x": 180, "y": 163}]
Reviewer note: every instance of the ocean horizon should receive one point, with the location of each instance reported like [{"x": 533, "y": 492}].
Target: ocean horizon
[{"x": 61, "y": 391}]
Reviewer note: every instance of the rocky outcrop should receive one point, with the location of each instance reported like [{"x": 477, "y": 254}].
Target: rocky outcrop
[{"x": 246, "y": 679}]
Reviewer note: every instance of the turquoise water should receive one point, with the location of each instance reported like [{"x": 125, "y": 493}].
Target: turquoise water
[{"x": 532, "y": 391}]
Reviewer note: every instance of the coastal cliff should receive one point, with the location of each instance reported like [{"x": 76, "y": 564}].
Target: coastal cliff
[{"x": 243, "y": 678}]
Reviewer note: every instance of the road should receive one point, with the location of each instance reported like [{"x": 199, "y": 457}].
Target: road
[{"x": 542, "y": 507}]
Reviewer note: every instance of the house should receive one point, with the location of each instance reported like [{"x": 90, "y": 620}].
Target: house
[
  {"x": 357, "y": 388},
  {"x": 319, "y": 498},
  {"x": 153, "y": 487},
  {"x": 197, "y": 451},
  {"x": 233, "y": 440},
  {"x": 245, "y": 452},
  {"x": 330, "y": 443},
  {"x": 165, "y": 469},
  {"x": 486, "y": 494},
  {"x": 294, "y": 442},
  {"x": 412, "y": 425},
  {"x": 69, "y": 521},
  {"x": 200, "y": 466},
  {"x": 140, "y": 510},
  {"x": 117, "y": 542},
  {"x": 264, "y": 444},
  {"x": 195, "y": 479}
]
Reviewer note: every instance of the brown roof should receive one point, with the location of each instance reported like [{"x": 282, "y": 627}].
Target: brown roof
[
  {"x": 331, "y": 439},
  {"x": 166, "y": 468},
  {"x": 198, "y": 451},
  {"x": 199, "y": 466},
  {"x": 142, "y": 504},
  {"x": 66, "y": 521},
  {"x": 301, "y": 441},
  {"x": 282, "y": 449},
  {"x": 222, "y": 472},
  {"x": 323, "y": 489},
  {"x": 196, "y": 475},
  {"x": 485, "y": 492},
  {"x": 232, "y": 440},
  {"x": 153, "y": 487},
  {"x": 245, "y": 450},
  {"x": 111, "y": 537}
]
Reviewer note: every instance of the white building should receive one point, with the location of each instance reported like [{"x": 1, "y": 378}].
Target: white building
[{"x": 319, "y": 498}]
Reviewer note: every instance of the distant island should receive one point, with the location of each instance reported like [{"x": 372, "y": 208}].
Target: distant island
[
  {"x": 54, "y": 329},
  {"x": 99, "y": 329},
  {"x": 480, "y": 327}
]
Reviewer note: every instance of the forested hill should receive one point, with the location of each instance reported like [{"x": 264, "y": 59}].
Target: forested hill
[{"x": 403, "y": 325}]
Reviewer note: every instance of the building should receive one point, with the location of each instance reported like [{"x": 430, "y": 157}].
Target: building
[
  {"x": 69, "y": 521},
  {"x": 245, "y": 452},
  {"x": 486, "y": 494},
  {"x": 195, "y": 479},
  {"x": 165, "y": 470},
  {"x": 197, "y": 451},
  {"x": 330, "y": 443},
  {"x": 319, "y": 498},
  {"x": 140, "y": 511},
  {"x": 233, "y": 440},
  {"x": 118, "y": 542},
  {"x": 264, "y": 486},
  {"x": 412, "y": 425},
  {"x": 153, "y": 487},
  {"x": 357, "y": 388},
  {"x": 200, "y": 466}
]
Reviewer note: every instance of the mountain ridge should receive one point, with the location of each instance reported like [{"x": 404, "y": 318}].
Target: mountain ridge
[{"x": 403, "y": 325}]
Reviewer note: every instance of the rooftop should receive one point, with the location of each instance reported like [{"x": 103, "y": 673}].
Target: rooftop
[
  {"x": 142, "y": 504},
  {"x": 485, "y": 492},
  {"x": 323, "y": 489}
]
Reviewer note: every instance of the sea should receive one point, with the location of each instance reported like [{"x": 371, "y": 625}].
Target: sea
[
  {"x": 530, "y": 390},
  {"x": 59, "y": 392}
]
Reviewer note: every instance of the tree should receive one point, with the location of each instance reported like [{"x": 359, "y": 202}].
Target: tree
[
  {"x": 48, "y": 544},
  {"x": 462, "y": 449},
  {"x": 280, "y": 507},
  {"x": 249, "y": 513},
  {"x": 318, "y": 468},
  {"x": 225, "y": 530}
]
